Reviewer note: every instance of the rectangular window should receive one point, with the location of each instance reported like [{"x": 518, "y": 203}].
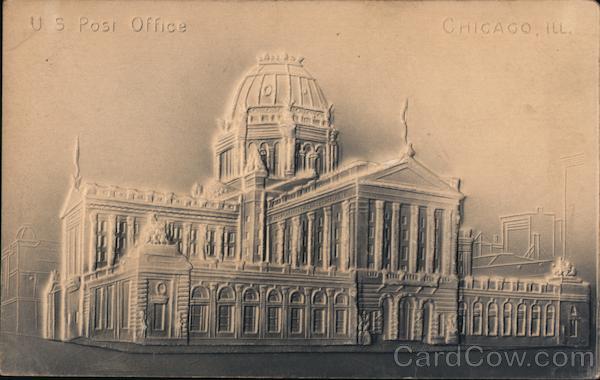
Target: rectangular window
[
  {"x": 287, "y": 242},
  {"x": 273, "y": 320},
  {"x": 387, "y": 235},
  {"x": 318, "y": 321},
  {"x": 176, "y": 235},
  {"x": 98, "y": 302},
  {"x": 303, "y": 255},
  {"x": 272, "y": 243},
  {"x": 125, "y": 305},
  {"x": 159, "y": 316},
  {"x": 230, "y": 244},
  {"x": 101, "y": 240},
  {"x": 250, "y": 325},
  {"x": 210, "y": 242},
  {"x": 194, "y": 242},
  {"x": 371, "y": 235},
  {"x": 224, "y": 320},
  {"x": 421, "y": 239},
  {"x": 296, "y": 320},
  {"x": 336, "y": 226},
  {"x": 438, "y": 236},
  {"x": 109, "y": 306},
  {"x": 198, "y": 318},
  {"x": 404, "y": 235},
  {"x": 318, "y": 239},
  {"x": 340, "y": 322},
  {"x": 120, "y": 237}
]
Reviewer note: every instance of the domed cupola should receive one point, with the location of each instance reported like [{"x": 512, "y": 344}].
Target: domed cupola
[{"x": 279, "y": 110}]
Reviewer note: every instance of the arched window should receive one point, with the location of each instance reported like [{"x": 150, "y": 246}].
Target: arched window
[
  {"x": 492, "y": 319},
  {"x": 226, "y": 299},
  {"x": 341, "y": 314},
  {"x": 536, "y": 312},
  {"x": 319, "y": 313},
  {"x": 477, "y": 318},
  {"x": 550, "y": 320},
  {"x": 574, "y": 322},
  {"x": 199, "y": 303},
  {"x": 275, "y": 159},
  {"x": 296, "y": 313},
  {"x": 250, "y": 312},
  {"x": 274, "y": 312},
  {"x": 462, "y": 321},
  {"x": 507, "y": 319},
  {"x": 521, "y": 319}
]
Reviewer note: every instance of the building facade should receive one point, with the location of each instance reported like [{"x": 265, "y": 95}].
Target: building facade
[
  {"x": 283, "y": 246},
  {"x": 27, "y": 264}
]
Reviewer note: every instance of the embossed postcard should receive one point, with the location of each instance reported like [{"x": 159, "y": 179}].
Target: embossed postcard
[{"x": 300, "y": 189}]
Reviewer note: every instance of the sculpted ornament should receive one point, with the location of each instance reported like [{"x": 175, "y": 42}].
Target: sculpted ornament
[
  {"x": 563, "y": 268},
  {"x": 364, "y": 325},
  {"x": 451, "y": 325},
  {"x": 155, "y": 232}
]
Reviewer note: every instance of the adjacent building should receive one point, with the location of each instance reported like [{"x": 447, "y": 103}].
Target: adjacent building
[
  {"x": 284, "y": 245},
  {"x": 27, "y": 264}
]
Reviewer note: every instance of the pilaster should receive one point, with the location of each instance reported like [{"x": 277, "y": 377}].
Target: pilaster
[
  {"x": 394, "y": 238},
  {"x": 378, "y": 247},
  {"x": 413, "y": 234},
  {"x": 326, "y": 237}
]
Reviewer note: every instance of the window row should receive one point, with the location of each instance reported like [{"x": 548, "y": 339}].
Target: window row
[
  {"x": 311, "y": 240},
  {"x": 212, "y": 244},
  {"x": 524, "y": 320},
  {"x": 403, "y": 230},
  {"x": 250, "y": 317}
]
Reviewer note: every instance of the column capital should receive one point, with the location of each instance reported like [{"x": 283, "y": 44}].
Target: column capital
[
  {"x": 311, "y": 216},
  {"x": 327, "y": 210}
]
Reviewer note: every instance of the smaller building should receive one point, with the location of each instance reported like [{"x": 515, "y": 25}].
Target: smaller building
[
  {"x": 513, "y": 300},
  {"x": 27, "y": 264}
]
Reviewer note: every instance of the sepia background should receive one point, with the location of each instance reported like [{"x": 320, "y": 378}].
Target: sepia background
[{"x": 497, "y": 110}]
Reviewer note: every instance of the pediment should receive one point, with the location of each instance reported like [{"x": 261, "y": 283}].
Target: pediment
[{"x": 411, "y": 173}]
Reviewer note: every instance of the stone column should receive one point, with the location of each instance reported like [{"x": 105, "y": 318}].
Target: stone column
[
  {"x": 213, "y": 312},
  {"x": 430, "y": 240},
  {"x": 447, "y": 243},
  {"x": 295, "y": 240},
  {"x": 309, "y": 245},
  {"x": 92, "y": 251},
  {"x": 201, "y": 243},
  {"x": 413, "y": 235},
  {"x": 262, "y": 311},
  {"x": 307, "y": 331},
  {"x": 454, "y": 218},
  {"x": 330, "y": 313},
  {"x": 129, "y": 233},
  {"x": 326, "y": 237},
  {"x": 395, "y": 238},
  {"x": 352, "y": 236},
  {"x": 378, "y": 247},
  {"x": 345, "y": 236},
  {"x": 110, "y": 248},
  {"x": 285, "y": 311},
  {"x": 237, "y": 311},
  {"x": 219, "y": 242},
  {"x": 280, "y": 242},
  {"x": 187, "y": 228}
]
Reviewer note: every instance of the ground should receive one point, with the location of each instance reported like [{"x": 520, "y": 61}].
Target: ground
[{"x": 28, "y": 356}]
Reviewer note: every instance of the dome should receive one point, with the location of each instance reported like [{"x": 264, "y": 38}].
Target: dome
[{"x": 279, "y": 81}]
